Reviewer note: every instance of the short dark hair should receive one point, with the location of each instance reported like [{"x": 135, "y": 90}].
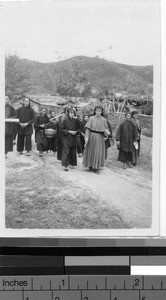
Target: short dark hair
[
  {"x": 99, "y": 107},
  {"x": 135, "y": 112}
]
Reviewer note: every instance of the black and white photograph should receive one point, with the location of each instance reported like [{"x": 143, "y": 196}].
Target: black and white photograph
[{"x": 80, "y": 103}]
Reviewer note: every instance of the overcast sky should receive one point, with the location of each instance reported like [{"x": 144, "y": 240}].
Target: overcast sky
[{"x": 126, "y": 31}]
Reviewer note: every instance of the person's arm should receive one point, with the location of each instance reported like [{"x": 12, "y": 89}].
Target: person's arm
[
  {"x": 37, "y": 123},
  {"x": 63, "y": 128},
  {"x": 31, "y": 121}
]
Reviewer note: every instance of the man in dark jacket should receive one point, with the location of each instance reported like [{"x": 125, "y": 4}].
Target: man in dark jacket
[
  {"x": 26, "y": 118},
  {"x": 9, "y": 113}
]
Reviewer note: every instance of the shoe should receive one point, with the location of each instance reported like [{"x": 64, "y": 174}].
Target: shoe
[
  {"x": 90, "y": 168},
  {"x": 21, "y": 152},
  {"x": 80, "y": 155},
  {"x": 40, "y": 153},
  {"x": 28, "y": 153},
  {"x": 96, "y": 171},
  {"x": 124, "y": 166},
  {"x": 72, "y": 167},
  {"x": 129, "y": 164},
  {"x": 66, "y": 169}
]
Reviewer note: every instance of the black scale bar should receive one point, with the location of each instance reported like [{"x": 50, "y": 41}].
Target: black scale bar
[
  {"x": 69, "y": 270},
  {"x": 83, "y": 251}
]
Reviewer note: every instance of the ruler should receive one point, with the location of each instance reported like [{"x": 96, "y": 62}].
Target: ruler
[{"x": 83, "y": 287}]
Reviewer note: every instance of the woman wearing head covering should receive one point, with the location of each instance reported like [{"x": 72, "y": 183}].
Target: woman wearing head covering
[
  {"x": 136, "y": 149},
  {"x": 24, "y": 129},
  {"x": 39, "y": 125},
  {"x": 126, "y": 137},
  {"x": 70, "y": 128},
  {"x": 59, "y": 133},
  {"x": 96, "y": 130}
]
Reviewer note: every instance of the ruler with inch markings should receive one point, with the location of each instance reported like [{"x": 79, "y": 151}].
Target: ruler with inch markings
[{"x": 83, "y": 287}]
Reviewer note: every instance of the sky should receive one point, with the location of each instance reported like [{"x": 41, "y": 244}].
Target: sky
[{"x": 125, "y": 31}]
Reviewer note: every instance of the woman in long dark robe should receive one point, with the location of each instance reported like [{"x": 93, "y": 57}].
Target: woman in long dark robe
[
  {"x": 96, "y": 127},
  {"x": 136, "y": 150},
  {"x": 40, "y": 137},
  {"x": 126, "y": 137},
  {"x": 70, "y": 128},
  {"x": 60, "y": 134}
]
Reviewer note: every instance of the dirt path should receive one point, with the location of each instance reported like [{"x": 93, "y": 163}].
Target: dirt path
[
  {"x": 125, "y": 193},
  {"x": 132, "y": 197}
]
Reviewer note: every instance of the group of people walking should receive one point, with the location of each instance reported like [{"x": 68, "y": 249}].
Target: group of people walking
[{"x": 69, "y": 135}]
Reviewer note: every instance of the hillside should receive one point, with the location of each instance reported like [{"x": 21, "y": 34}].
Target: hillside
[{"x": 102, "y": 74}]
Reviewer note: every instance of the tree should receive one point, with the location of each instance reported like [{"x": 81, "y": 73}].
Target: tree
[
  {"x": 75, "y": 83},
  {"x": 16, "y": 79}
]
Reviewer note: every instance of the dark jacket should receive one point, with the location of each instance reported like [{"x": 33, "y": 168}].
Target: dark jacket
[
  {"x": 9, "y": 113},
  {"x": 70, "y": 125},
  {"x": 25, "y": 115},
  {"x": 127, "y": 135}
]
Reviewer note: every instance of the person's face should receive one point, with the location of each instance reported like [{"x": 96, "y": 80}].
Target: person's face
[
  {"x": 26, "y": 102},
  {"x": 7, "y": 100},
  {"x": 86, "y": 118},
  {"x": 98, "y": 112},
  {"x": 43, "y": 112},
  {"x": 71, "y": 114},
  {"x": 135, "y": 116},
  {"x": 128, "y": 116},
  {"x": 53, "y": 114}
]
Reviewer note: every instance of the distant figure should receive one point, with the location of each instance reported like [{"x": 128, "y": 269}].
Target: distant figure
[
  {"x": 15, "y": 126},
  {"x": 9, "y": 113},
  {"x": 40, "y": 137},
  {"x": 24, "y": 128},
  {"x": 126, "y": 137},
  {"x": 96, "y": 128},
  {"x": 136, "y": 149},
  {"x": 107, "y": 139},
  {"x": 70, "y": 128},
  {"x": 60, "y": 134},
  {"x": 52, "y": 139},
  {"x": 82, "y": 135}
]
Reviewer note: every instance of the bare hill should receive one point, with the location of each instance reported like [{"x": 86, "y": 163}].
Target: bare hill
[{"x": 102, "y": 74}]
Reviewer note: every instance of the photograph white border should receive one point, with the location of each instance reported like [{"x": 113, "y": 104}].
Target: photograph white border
[{"x": 149, "y": 232}]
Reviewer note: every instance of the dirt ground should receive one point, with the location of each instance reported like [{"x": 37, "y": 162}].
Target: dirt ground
[{"x": 39, "y": 194}]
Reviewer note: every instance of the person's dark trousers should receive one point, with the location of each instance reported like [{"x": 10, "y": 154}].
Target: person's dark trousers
[
  {"x": 59, "y": 150},
  {"x": 69, "y": 155},
  {"x": 8, "y": 143},
  {"x": 79, "y": 148},
  {"x": 82, "y": 142},
  {"x": 20, "y": 142}
]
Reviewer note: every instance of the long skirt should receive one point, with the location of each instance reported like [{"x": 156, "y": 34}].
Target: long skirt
[
  {"x": 41, "y": 141},
  {"x": 94, "y": 154},
  {"x": 124, "y": 156}
]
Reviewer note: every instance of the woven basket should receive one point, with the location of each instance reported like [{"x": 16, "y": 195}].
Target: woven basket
[{"x": 50, "y": 133}]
